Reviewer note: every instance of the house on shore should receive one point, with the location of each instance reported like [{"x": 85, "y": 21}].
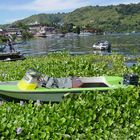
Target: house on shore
[
  {"x": 2, "y": 32},
  {"x": 38, "y": 29},
  {"x": 13, "y": 31}
]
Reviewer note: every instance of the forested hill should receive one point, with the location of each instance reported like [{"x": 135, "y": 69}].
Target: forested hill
[{"x": 107, "y": 18}]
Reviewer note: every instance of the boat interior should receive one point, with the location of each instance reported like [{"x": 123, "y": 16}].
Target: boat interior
[{"x": 89, "y": 82}]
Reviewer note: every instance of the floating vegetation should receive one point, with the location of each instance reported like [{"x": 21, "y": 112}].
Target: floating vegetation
[{"x": 90, "y": 115}]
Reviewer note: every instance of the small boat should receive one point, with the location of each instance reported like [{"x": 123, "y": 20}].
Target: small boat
[
  {"x": 11, "y": 56},
  {"x": 7, "y": 55},
  {"x": 26, "y": 88},
  {"x": 41, "y": 34},
  {"x": 102, "y": 45},
  {"x": 85, "y": 34}
]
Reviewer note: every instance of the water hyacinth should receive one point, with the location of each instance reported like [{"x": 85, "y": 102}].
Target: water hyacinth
[
  {"x": 90, "y": 115},
  {"x": 54, "y": 65},
  {"x": 1, "y": 103},
  {"x": 8, "y": 109}
]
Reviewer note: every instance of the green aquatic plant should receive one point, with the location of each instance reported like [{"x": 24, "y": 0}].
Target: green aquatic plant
[
  {"x": 85, "y": 116},
  {"x": 60, "y": 64},
  {"x": 90, "y": 115}
]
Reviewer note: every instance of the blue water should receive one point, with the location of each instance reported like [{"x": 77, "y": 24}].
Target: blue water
[{"x": 127, "y": 45}]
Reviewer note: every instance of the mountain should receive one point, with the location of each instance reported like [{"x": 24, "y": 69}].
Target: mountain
[
  {"x": 108, "y": 18},
  {"x": 111, "y": 18},
  {"x": 43, "y": 19}
]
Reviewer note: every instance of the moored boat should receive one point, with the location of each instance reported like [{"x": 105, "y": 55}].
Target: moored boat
[
  {"x": 12, "y": 90},
  {"x": 11, "y": 56},
  {"x": 102, "y": 45}
]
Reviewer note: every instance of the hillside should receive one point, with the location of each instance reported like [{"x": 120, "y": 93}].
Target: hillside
[
  {"x": 107, "y": 18},
  {"x": 110, "y": 18},
  {"x": 43, "y": 19}
]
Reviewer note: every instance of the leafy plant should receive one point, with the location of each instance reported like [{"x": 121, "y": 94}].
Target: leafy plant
[{"x": 89, "y": 115}]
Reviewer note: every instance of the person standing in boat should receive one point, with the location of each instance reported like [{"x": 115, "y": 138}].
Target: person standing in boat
[{"x": 11, "y": 46}]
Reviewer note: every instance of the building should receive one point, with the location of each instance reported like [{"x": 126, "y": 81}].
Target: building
[
  {"x": 2, "y": 32},
  {"x": 12, "y": 31},
  {"x": 38, "y": 29}
]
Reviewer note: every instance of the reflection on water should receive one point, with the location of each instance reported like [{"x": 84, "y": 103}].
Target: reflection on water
[
  {"x": 130, "y": 63},
  {"x": 127, "y": 45}
]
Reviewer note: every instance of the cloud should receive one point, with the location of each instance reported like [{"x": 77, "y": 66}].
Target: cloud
[{"x": 49, "y": 5}]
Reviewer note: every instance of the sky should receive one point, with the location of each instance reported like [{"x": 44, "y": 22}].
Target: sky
[{"x": 13, "y": 10}]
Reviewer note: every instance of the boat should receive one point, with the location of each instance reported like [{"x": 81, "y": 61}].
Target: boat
[
  {"x": 85, "y": 34},
  {"x": 27, "y": 89},
  {"x": 41, "y": 34},
  {"x": 11, "y": 90},
  {"x": 6, "y": 55},
  {"x": 102, "y": 45},
  {"x": 11, "y": 56}
]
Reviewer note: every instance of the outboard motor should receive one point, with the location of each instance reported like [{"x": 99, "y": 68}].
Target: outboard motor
[
  {"x": 130, "y": 79},
  {"x": 30, "y": 80}
]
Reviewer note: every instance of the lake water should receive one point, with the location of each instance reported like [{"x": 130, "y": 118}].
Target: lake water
[{"x": 127, "y": 45}]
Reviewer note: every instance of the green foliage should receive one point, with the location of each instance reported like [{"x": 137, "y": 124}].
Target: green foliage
[
  {"x": 22, "y": 26},
  {"x": 44, "y": 19},
  {"x": 90, "y": 115},
  {"x": 3, "y": 39},
  {"x": 128, "y": 9},
  {"x": 76, "y": 30},
  {"x": 112, "y": 115},
  {"x": 120, "y": 18},
  {"x": 26, "y": 35},
  {"x": 61, "y": 64}
]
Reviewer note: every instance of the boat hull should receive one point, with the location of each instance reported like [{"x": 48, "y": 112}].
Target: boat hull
[
  {"x": 53, "y": 97},
  {"x": 11, "y": 56},
  {"x": 10, "y": 90}
]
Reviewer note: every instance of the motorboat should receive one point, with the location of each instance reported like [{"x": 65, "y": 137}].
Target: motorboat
[
  {"x": 29, "y": 89},
  {"x": 102, "y": 45}
]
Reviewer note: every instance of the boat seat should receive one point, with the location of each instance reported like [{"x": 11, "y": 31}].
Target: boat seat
[{"x": 76, "y": 82}]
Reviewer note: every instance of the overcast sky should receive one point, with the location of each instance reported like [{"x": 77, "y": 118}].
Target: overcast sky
[{"x": 12, "y": 10}]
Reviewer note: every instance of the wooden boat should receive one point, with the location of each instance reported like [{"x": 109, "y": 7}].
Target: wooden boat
[
  {"x": 11, "y": 56},
  {"x": 102, "y": 45},
  {"x": 7, "y": 55},
  {"x": 11, "y": 91}
]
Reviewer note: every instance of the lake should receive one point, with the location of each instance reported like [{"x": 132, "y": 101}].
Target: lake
[{"x": 125, "y": 44}]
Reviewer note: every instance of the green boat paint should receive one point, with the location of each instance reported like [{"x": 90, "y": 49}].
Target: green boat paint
[{"x": 11, "y": 90}]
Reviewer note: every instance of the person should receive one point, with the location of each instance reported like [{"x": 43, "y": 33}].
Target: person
[{"x": 11, "y": 48}]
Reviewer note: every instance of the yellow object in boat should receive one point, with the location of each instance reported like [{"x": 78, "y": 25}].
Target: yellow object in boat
[
  {"x": 23, "y": 85},
  {"x": 29, "y": 81}
]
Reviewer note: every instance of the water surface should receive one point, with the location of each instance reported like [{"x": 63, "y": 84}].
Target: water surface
[{"x": 125, "y": 44}]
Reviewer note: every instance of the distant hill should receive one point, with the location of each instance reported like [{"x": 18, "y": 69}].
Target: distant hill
[
  {"x": 49, "y": 19},
  {"x": 112, "y": 18},
  {"x": 108, "y": 18}
]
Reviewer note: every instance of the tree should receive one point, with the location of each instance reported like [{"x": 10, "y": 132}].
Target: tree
[
  {"x": 78, "y": 29},
  {"x": 24, "y": 31}
]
